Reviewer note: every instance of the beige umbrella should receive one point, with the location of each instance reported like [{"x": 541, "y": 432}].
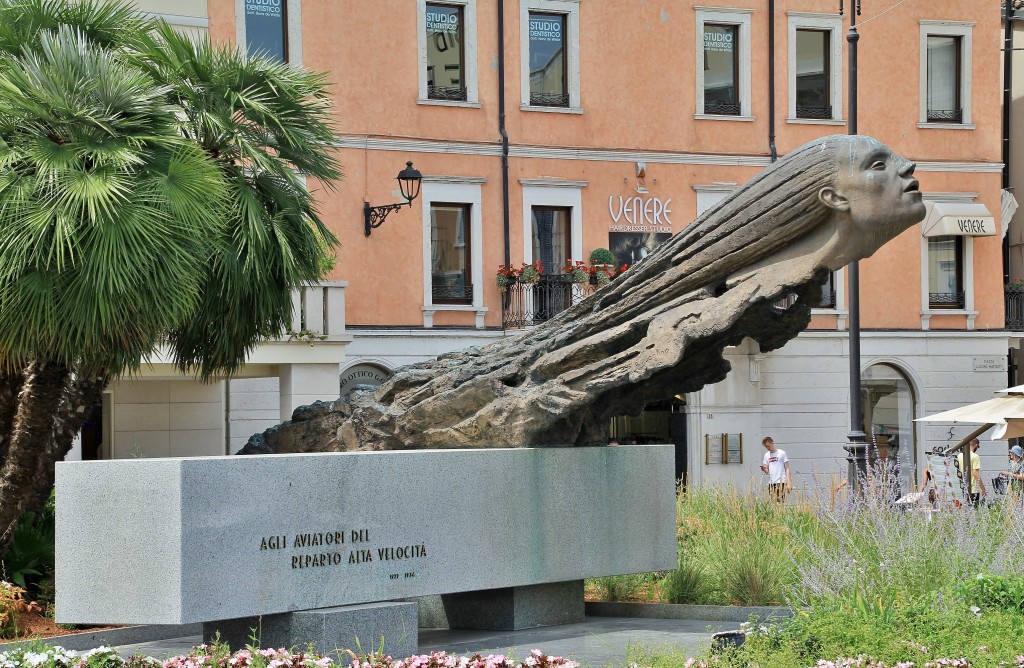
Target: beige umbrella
[{"x": 1005, "y": 413}]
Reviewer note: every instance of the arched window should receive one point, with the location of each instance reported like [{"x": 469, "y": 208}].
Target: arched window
[{"x": 889, "y": 407}]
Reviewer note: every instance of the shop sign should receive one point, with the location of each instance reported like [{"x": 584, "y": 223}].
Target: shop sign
[
  {"x": 362, "y": 374},
  {"x": 956, "y": 219},
  {"x": 990, "y": 363},
  {"x": 646, "y": 211}
]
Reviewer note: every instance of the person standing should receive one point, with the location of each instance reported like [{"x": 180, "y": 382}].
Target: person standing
[
  {"x": 1016, "y": 471},
  {"x": 977, "y": 484},
  {"x": 776, "y": 465}
]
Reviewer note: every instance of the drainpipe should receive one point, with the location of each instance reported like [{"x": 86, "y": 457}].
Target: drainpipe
[
  {"x": 501, "y": 129},
  {"x": 1007, "y": 93},
  {"x": 771, "y": 80},
  {"x": 1007, "y": 102}
]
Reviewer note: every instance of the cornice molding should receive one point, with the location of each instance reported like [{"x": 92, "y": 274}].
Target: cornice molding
[{"x": 605, "y": 155}]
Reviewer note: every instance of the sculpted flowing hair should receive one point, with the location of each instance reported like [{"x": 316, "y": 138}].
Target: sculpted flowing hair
[{"x": 766, "y": 214}]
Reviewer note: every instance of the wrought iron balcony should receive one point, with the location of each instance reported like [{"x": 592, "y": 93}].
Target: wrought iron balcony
[
  {"x": 549, "y": 100},
  {"x": 525, "y": 305},
  {"x": 721, "y": 109},
  {"x": 945, "y": 115},
  {"x": 456, "y": 93},
  {"x": 1013, "y": 297},
  {"x": 814, "y": 112},
  {"x": 946, "y": 300}
]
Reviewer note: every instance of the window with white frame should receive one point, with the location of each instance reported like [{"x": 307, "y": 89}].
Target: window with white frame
[
  {"x": 447, "y": 52},
  {"x": 945, "y": 83},
  {"x": 451, "y": 278},
  {"x": 549, "y": 44},
  {"x": 723, "y": 63},
  {"x": 946, "y": 272},
  {"x": 270, "y": 27},
  {"x": 815, "y": 77},
  {"x": 452, "y": 245}
]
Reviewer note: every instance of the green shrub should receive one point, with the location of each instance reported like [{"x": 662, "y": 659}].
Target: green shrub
[
  {"x": 30, "y": 557},
  {"x": 601, "y": 256},
  {"x": 618, "y": 587},
  {"x": 688, "y": 583},
  {"x": 922, "y": 633},
  {"x": 754, "y": 575},
  {"x": 993, "y": 592}
]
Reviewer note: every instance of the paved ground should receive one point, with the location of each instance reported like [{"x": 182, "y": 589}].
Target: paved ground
[{"x": 598, "y": 641}]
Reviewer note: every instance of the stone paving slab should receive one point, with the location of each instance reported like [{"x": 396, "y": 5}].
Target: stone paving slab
[{"x": 598, "y": 641}]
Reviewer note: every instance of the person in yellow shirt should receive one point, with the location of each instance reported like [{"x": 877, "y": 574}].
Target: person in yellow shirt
[{"x": 977, "y": 484}]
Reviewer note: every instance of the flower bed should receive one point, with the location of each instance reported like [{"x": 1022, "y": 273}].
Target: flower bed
[{"x": 218, "y": 655}]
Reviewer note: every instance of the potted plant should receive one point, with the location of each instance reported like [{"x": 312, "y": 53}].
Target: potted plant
[
  {"x": 603, "y": 274},
  {"x": 530, "y": 273},
  {"x": 600, "y": 257},
  {"x": 578, "y": 272},
  {"x": 506, "y": 276}
]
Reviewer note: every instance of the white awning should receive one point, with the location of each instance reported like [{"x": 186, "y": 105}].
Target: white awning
[{"x": 958, "y": 219}]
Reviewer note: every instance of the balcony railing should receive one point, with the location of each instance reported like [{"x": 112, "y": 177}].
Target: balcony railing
[
  {"x": 814, "y": 112},
  {"x": 549, "y": 100},
  {"x": 945, "y": 115},
  {"x": 318, "y": 312},
  {"x": 946, "y": 299},
  {"x": 1013, "y": 296},
  {"x": 454, "y": 93},
  {"x": 721, "y": 109},
  {"x": 525, "y": 305}
]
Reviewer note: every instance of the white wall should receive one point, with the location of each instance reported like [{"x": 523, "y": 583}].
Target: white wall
[
  {"x": 799, "y": 395},
  {"x": 166, "y": 418}
]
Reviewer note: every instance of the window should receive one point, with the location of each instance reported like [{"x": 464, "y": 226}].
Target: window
[
  {"x": 552, "y": 232},
  {"x": 445, "y": 56},
  {"x": 889, "y": 407},
  {"x": 828, "y": 292},
  {"x": 944, "y": 79},
  {"x": 815, "y": 68},
  {"x": 451, "y": 279},
  {"x": 946, "y": 272},
  {"x": 548, "y": 81},
  {"x": 552, "y": 236},
  {"x": 723, "y": 64},
  {"x": 813, "y": 99},
  {"x": 447, "y": 53},
  {"x": 452, "y": 246},
  {"x": 549, "y": 39},
  {"x": 266, "y": 28},
  {"x": 945, "y": 75},
  {"x": 270, "y": 27}
]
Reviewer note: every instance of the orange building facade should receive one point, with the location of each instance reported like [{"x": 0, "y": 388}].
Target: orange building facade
[{"x": 624, "y": 121}]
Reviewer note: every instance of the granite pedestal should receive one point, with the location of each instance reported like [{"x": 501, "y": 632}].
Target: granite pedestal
[
  {"x": 359, "y": 628},
  {"x": 173, "y": 541}
]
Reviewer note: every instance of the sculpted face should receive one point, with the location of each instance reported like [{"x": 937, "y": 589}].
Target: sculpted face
[{"x": 876, "y": 187}]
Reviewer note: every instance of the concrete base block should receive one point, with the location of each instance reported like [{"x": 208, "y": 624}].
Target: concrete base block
[
  {"x": 514, "y": 608},
  {"x": 326, "y": 630}
]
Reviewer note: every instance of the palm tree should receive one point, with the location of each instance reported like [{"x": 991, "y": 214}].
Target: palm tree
[{"x": 152, "y": 192}]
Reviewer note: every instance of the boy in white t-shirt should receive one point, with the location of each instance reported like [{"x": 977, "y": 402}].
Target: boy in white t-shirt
[{"x": 776, "y": 465}]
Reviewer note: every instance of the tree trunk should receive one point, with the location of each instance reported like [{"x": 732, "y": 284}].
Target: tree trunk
[
  {"x": 81, "y": 395},
  {"x": 10, "y": 385},
  {"x": 40, "y": 398}
]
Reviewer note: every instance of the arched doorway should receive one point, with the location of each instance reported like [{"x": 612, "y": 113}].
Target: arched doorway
[{"x": 889, "y": 406}]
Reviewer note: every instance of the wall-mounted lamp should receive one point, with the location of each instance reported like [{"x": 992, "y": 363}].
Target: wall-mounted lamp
[{"x": 409, "y": 182}]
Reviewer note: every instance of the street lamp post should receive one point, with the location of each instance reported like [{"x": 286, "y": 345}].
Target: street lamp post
[{"x": 857, "y": 448}]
